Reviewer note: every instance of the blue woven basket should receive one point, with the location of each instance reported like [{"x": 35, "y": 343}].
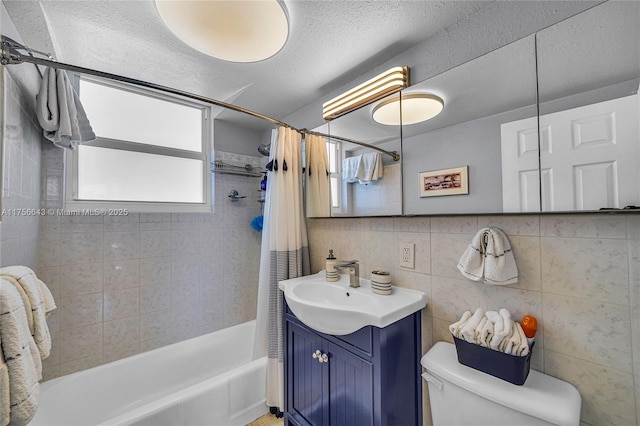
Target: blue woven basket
[{"x": 511, "y": 368}]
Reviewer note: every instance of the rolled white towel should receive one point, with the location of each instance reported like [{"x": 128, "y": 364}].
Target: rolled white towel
[
  {"x": 457, "y": 326},
  {"x": 498, "y": 330},
  {"x": 507, "y": 327},
  {"x": 478, "y": 330},
  {"x": 512, "y": 341},
  {"x": 523, "y": 349},
  {"x": 468, "y": 332},
  {"x": 498, "y": 325},
  {"x": 486, "y": 333}
]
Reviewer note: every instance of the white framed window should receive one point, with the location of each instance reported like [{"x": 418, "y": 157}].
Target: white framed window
[{"x": 151, "y": 152}]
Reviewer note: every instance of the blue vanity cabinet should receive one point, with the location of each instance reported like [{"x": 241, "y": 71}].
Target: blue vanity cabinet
[{"x": 367, "y": 378}]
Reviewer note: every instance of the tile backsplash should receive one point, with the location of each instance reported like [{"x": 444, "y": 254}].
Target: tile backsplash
[
  {"x": 579, "y": 275},
  {"x": 123, "y": 284},
  {"x": 127, "y": 284}
]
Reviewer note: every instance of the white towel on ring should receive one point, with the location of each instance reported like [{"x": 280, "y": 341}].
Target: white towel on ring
[{"x": 489, "y": 258}]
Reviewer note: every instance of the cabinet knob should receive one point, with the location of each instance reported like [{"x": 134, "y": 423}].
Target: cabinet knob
[{"x": 320, "y": 356}]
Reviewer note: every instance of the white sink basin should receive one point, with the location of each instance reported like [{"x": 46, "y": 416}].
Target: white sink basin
[{"x": 335, "y": 308}]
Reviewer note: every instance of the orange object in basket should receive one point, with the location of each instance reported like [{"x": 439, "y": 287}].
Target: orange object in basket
[{"x": 529, "y": 325}]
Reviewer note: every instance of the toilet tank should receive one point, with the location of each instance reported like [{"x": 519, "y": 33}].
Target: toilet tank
[{"x": 460, "y": 395}]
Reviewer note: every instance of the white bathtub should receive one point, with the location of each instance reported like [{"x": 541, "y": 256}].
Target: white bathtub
[{"x": 208, "y": 380}]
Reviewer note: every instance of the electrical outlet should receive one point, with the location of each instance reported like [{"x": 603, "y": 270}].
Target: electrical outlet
[{"x": 407, "y": 255}]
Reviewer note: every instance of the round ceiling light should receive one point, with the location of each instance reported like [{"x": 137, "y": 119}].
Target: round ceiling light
[
  {"x": 236, "y": 31},
  {"x": 416, "y": 107}
]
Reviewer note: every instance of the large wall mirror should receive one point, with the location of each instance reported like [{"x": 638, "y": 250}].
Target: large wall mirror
[
  {"x": 588, "y": 77},
  {"x": 548, "y": 123},
  {"x": 453, "y": 163},
  {"x": 363, "y": 181}
]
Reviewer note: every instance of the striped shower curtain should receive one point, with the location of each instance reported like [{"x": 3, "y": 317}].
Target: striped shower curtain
[{"x": 284, "y": 254}]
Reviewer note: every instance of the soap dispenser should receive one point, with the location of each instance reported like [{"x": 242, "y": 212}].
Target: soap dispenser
[{"x": 331, "y": 273}]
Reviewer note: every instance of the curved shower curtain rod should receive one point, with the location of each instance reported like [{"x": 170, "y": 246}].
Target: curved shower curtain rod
[{"x": 12, "y": 56}]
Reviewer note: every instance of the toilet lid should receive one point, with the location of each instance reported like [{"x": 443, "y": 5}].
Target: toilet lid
[{"x": 541, "y": 396}]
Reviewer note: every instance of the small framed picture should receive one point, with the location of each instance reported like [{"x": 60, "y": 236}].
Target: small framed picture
[{"x": 444, "y": 182}]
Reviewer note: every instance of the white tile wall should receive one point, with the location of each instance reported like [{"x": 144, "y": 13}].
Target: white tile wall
[
  {"x": 579, "y": 275},
  {"x": 127, "y": 284},
  {"x": 381, "y": 197},
  {"x": 21, "y": 145}
]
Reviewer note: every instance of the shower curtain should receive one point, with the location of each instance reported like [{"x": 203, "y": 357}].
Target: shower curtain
[
  {"x": 284, "y": 254},
  {"x": 317, "y": 177}
]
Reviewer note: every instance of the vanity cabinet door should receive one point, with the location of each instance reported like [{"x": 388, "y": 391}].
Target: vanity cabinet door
[
  {"x": 350, "y": 388},
  {"x": 307, "y": 378}
]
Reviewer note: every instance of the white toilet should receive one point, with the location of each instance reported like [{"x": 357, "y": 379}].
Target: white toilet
[{"x": 460, "y": 395}]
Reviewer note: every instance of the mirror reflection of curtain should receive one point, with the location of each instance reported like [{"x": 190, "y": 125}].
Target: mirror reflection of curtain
[
  {"x": 284, "y": 254},
  {"x": 317, "y": 177}
]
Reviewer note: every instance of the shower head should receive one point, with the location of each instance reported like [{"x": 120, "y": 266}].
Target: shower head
[{"x": 264, "y": 149}]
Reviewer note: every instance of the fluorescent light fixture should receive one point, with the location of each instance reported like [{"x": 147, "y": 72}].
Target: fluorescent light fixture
[
  {"x": 236, "y": 31},
  {"x": 416, "y": 107},
  {"x": 372, "y": 90}
]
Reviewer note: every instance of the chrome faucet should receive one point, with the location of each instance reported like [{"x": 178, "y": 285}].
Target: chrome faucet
[{"x": 354, "y": 271}]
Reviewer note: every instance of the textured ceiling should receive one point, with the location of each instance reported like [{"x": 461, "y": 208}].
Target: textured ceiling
[{"x": 330, "y": 44}]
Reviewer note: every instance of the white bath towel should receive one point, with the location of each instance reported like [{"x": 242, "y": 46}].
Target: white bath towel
[
  {"x": 370, "y": 168},
  {"x": 21, "y": 356},
  {"x": 457, "y": 326},
  {"x": 60, "y": 112},
  {"x": 350, "y": 167},
  {"x": 39, "y": 304},
  {"x": 489, "y": 257},
  {"x": 468, "y": 331}
]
